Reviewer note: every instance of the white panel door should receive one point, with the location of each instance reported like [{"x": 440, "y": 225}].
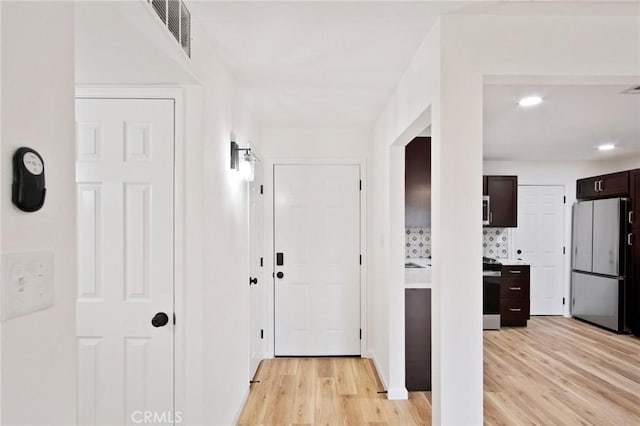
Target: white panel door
[
  {"x": 540, "y": 238},
  {"x": 124, "y": 175},
  {"x": 317, "y": 287},
  {"x": 257, "y": 287}
]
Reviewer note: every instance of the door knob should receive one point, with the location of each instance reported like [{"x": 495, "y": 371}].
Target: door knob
[
  {"x": 160, "y": 319},
  {"x": 280, "y": 275},
  {"x": 253, "y": 281}
]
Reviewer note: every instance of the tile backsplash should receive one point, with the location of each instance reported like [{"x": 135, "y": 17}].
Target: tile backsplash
[
  {"x": 418, "y": 242},
  {"x": 495, "y": 242}
]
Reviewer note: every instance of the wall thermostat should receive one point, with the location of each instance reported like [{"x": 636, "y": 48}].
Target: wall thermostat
[{"x": 28, "y": 190}]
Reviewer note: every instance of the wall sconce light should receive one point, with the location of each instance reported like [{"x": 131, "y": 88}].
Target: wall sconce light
[{"x": 245, "y": 164}]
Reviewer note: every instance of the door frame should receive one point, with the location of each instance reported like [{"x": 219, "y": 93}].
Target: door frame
[
  {"x": 269, "y": 240},
  {"x": 566, "y": 258},
  {"x": 175, "y": 94},
  {"x": 261, "y": 276}
]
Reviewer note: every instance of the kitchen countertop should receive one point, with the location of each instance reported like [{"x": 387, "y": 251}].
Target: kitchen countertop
[
  {"x": 513, "y": 262},
  {"x": 418, "y": 277}
]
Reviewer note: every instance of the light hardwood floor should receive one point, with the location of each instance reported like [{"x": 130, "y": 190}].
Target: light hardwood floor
[
  {"x": 556, "y": 371},
  {"x": 561, "y": 371}
]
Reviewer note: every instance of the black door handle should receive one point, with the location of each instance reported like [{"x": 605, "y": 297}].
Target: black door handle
[
  {"x": 280, "y": 275},
  {"x": 253, "y": 281},
  {"x": 160, "y": 319}
]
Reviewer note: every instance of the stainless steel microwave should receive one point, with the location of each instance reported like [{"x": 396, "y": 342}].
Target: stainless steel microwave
[{"x": 486, "y": 210}]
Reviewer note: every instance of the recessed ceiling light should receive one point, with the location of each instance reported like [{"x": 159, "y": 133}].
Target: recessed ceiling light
[
  {"x": 530, "y": 101},
  {"x": 606, "y": 147}
]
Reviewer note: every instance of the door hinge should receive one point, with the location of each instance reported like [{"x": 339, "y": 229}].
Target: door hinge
[
  {"x": 564, "y": 250},
  {"x": 360, "y": 184},
  {"x": 361, "y": 259},
  {"x": 262, "y": 333},
  {"x": 174, "y": 318},
  {"x": 262, "y": 189},
  {"x": 564, "y": 199},
  {"x": 360, "y": 334},
  {"x": 261, "y": 261},
  {"x": 563, "y": 301}
]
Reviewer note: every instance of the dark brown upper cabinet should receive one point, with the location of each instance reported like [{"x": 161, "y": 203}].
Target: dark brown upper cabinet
[
  {"x": 634, "y": 192},
  {"x": 503, "y": 200},
  {"x": 605, "y": 186},
  {"x": 417, "y": 183}
]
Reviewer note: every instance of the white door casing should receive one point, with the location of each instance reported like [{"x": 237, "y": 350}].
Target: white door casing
[
  {"x": 317, "y": 229},
  {"x": 540, "y": 237},
  {"x": 125, "y": 199},
  {"x": 257, "y": 293}
]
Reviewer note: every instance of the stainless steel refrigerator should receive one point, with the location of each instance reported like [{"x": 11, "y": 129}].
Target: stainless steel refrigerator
[{"x": 599, "y": 247}]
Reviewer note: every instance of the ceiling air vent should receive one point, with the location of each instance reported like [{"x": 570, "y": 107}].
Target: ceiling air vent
[
  {"x": 635, "y": 90},
  {"x": 176, "y": 17}
]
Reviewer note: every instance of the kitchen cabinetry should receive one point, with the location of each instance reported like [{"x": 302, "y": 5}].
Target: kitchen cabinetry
[
  {"x": 514, "y": 295},
  {"x": 634, "y": 193},
  {"x": 503, "y": 200},
  {"x": 611, "y": 185},
  {"x": 417, "y": 184},
  {"x": 633, "y": 291},
  {"x": 417, "y": 339}
]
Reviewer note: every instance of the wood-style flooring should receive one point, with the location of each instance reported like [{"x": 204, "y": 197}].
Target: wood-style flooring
[
  {"x": 327, "y": 391},
  {"x": 556, "y": 371},
  {"x": 561, "y": 371}
]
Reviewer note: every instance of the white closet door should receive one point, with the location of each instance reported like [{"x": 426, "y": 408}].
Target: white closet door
[{"x": 124, "y": 175}]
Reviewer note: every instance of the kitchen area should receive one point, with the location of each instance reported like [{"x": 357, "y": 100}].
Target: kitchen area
[
  {"x": 505, "y": 277},
  {"x": 560, "y": 215}
]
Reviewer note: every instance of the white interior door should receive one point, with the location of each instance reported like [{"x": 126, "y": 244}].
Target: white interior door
[
  {"x": 124, "y": 175},
  {"x": 257, "y": 287},
  {"x": 540, "y": 238},
  {"x": 317, "y": 286}
]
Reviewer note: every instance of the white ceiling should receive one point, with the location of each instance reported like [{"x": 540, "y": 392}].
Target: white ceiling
[
  {"x": 318, "y": 64},
  {"x": 569, "y": 124},
  {"x": 335, "y": 64}
]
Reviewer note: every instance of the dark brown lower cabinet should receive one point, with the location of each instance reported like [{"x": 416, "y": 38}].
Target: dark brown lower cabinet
[
  {"x": 418, "y": 339},
  {"x": 514, "y": 296}
]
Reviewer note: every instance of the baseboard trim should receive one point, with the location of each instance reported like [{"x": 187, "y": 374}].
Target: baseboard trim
[
  {"x": 397, "y": 393},
  {"x": 372, "y": 357}
]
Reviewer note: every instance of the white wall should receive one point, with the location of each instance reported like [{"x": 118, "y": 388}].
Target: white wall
[
  {"x": 614, "y": 165},
  {"x": 315, "y": 143},
  {"x": 39, "y": 349},
  {"x": 406, "y": 114},
  {"x": 471, "y": 47},
  {"x": 218, "y": 205}
]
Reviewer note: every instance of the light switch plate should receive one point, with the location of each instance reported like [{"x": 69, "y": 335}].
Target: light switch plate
[{"x": 27, "y": 283}]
